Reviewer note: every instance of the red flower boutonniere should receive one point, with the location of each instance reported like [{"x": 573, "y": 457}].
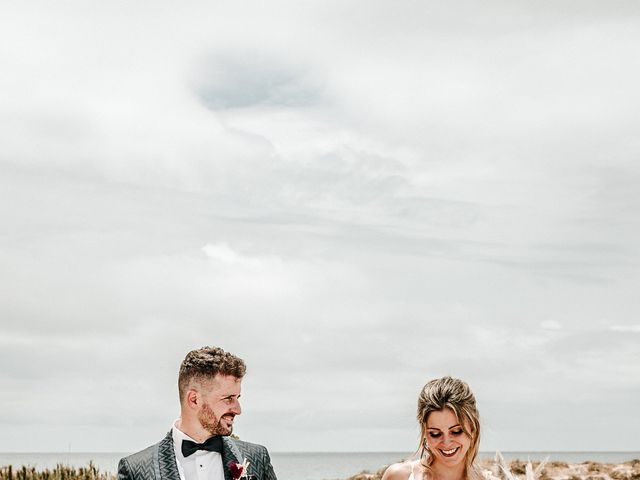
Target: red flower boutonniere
[{"x": 238, "y": 470}]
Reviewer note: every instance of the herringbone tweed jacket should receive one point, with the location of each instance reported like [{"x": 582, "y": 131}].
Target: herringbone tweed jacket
[{"x": 158, "y": 462}]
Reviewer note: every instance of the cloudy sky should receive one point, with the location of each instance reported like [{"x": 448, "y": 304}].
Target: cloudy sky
[{"x": 354, "y": 196}]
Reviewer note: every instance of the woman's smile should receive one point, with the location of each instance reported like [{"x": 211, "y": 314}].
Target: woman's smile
[{"x": 450, "y": 453}]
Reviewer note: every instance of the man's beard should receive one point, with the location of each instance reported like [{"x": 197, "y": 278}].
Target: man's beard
[{"x": 211, "y": 423}]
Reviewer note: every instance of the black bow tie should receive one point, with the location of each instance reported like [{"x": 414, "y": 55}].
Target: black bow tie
[{"x": 212, "y": 444}]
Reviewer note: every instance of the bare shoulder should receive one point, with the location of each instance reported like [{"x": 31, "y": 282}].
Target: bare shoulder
[{"x": 398, "y": 471}]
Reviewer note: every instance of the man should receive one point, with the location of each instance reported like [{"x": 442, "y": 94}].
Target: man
[{"x": 199, "y": 447}]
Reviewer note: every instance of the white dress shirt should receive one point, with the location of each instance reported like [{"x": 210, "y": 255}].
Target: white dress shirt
[{"x": 202, "y": 465}]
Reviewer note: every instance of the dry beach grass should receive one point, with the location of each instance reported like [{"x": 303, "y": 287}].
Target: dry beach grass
[
  {"x": 60, "y": 472},
  {"x": 550, "y": 471}
]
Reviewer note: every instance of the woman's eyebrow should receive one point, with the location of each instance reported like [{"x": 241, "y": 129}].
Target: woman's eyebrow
[{"x": 452, "y": 426}]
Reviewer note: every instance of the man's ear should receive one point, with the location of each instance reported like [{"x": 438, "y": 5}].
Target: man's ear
[{"x": 192, "y": 398}]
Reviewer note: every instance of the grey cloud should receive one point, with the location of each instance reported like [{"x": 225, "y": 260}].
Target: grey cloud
[
  {"x": 252, "y": 78},
  {"x": 617, "y": 191},
  {"x": 472, "y": 18}
]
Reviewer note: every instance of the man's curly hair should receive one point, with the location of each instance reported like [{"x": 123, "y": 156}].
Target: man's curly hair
[{"x": 205, "y": 363}]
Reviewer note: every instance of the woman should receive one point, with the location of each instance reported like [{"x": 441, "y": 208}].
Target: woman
[{"x": 449, "y": 435}]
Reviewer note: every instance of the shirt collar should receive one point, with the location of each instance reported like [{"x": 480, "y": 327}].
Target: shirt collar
[{"x": 178, "y": 436}]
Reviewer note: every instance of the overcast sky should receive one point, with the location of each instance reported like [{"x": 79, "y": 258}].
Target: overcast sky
[{"x": 354, "y": 196}]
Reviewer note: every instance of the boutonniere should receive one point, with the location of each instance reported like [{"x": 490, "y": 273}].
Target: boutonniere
[{"x": 239, "y": 470}]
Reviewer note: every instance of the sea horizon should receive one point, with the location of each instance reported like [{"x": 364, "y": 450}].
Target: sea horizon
[{"x": 304, "y": 452}]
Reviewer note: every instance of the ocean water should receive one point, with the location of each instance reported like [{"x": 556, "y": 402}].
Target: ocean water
[{"x": 308, "y": 465}]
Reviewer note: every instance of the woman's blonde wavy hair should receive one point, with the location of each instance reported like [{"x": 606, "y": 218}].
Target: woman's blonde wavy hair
[{"x": 447, "y": 392}]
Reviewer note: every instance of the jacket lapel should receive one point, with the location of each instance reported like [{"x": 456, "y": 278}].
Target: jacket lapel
[
  {"x": 166, "y": 466},
  {"x": 230, "y": 453}
]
